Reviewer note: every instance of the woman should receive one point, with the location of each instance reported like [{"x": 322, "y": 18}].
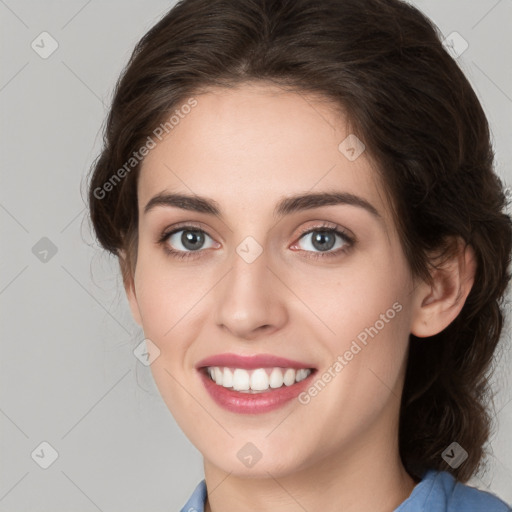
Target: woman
[{"x": 302, "y": 199}]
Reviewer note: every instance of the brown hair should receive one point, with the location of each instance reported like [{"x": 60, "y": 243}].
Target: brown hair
[{"x": 383, "y": 62}]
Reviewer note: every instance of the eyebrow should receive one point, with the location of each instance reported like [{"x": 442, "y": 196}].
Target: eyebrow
[{"x": 285, "y": 206}]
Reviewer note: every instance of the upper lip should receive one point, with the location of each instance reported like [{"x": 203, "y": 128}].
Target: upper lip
[{"x": 251, "y": 362}]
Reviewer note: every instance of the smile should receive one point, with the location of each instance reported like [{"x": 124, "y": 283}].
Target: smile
[{"x": 258, "y": 380}]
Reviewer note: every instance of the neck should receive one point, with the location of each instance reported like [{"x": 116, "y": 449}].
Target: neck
[{"x": 365, "y": 475}]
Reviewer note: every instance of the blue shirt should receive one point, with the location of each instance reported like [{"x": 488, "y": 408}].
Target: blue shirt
[{"x": 438, "y": 491}]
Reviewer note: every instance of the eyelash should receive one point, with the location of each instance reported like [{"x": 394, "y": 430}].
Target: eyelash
[{"x": 183, "y": 255}]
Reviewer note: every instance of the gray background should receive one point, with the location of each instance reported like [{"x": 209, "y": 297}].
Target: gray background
[{"x": 68, "y": 374}]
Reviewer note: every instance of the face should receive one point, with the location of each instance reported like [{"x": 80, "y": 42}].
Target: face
[{"x": 256, "y": 279}]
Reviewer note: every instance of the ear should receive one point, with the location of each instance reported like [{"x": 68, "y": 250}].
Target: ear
[
  {"x": 436, "y": 305},
  {"x": 129, "y": 287}
]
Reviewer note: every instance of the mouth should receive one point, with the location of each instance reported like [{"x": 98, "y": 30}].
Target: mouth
[
  {"x": 255, "y": 381},
  {"x": 254, "y": 384}
]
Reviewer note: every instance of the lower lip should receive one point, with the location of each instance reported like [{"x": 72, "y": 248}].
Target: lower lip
[{"x": 253, "y": 403}]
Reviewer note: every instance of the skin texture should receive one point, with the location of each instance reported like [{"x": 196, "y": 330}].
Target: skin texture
[{"x": 247, "y": 148}]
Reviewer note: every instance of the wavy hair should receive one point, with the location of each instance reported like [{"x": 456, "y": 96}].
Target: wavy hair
[{"x": 383, "y": 63}]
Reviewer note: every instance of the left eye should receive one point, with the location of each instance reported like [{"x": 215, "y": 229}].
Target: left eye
[{"x": 324, "y": 240}]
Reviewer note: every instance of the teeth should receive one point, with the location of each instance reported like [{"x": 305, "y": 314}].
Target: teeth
[
  {"x": 302, "y": 374},
  {"x": 227, "y": 378},
  {"x": 218, "y": 375},
  {"x": 289, "y": 376},
  {"x": 259, "y": 380},
  {"x": 241, "y": 380},
  {"x": 276, "y": 378},
  {"x": 256, "y": 380}
]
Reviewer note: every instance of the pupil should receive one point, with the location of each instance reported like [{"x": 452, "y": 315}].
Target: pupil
[
  {"x": 319, "y": 240},
  {"x": 192, "y": 239}
]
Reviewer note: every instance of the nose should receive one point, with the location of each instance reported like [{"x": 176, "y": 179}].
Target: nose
[{"x": 250, "y": 299}]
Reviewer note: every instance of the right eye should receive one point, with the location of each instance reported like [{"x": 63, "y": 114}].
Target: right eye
[{"x": 191, "y": 239}]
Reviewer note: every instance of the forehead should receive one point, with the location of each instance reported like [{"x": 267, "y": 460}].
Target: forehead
[{"x": 253, "y": 144}]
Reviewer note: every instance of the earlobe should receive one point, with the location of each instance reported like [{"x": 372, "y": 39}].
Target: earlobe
[
  {"x": 129, "y": 287},
  {"x": 436, "y": 305}
]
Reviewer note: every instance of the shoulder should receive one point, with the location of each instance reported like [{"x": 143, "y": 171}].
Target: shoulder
[
  {"x": 464, "y": 497},
  {"x": 438, "y": 491},
  {"x": 197, "y": 499}
]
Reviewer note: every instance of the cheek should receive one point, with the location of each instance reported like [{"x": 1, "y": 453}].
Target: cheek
[
  {"x": 166, "y": 298},
  {"x": 365, "y": 307},
  {"x": 170, "y": 299},
  {"x": 160, "y": 297},
  {"x": 351, "y": 296}
]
